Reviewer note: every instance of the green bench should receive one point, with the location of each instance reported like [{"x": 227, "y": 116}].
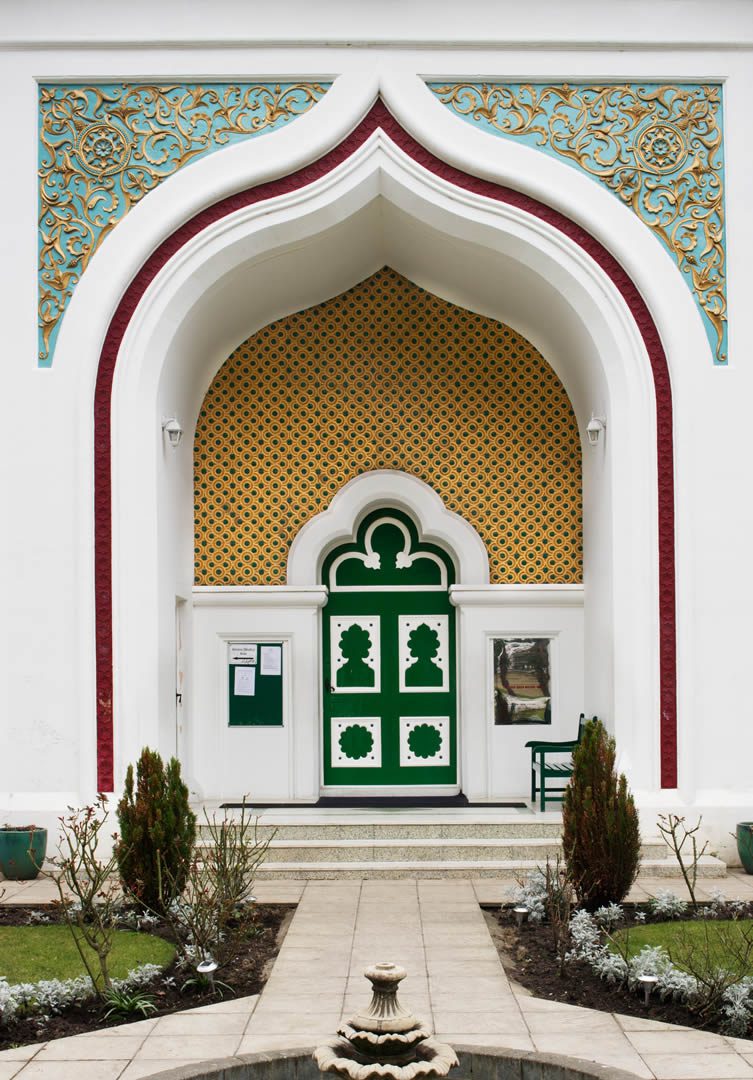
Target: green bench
[{"x": 543, "y": 771}]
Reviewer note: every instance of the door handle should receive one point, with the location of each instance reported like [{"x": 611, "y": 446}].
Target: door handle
[{"x": 329, "y": 687}]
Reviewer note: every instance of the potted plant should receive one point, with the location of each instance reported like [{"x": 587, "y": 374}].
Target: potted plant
[
  {"x": 744, "y": 837},
  {"x": 22, "y": 851}
]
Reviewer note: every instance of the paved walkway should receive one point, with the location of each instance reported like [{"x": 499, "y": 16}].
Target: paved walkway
[{"x": 437, "y": 931}]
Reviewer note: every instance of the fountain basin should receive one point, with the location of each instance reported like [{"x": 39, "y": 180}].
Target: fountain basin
[{"x": 476, "y": 1063}]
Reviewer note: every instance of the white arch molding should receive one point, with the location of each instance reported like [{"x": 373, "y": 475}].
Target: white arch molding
[
  {"x": 379, "y": 207},
  {"x": 387, "y": 488}
]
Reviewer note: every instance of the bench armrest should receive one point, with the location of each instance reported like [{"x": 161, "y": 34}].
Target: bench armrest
[{"x": 551, "y": 747}]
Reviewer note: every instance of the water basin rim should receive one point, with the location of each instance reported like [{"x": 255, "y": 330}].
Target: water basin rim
[{"x": 252, "y": 1066}]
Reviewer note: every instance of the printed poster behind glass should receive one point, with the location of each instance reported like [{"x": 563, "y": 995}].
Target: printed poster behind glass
[{"x": 522, "y": 680}]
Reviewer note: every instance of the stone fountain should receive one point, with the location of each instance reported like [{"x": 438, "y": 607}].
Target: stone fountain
[{"x": 385, "y": 1039}]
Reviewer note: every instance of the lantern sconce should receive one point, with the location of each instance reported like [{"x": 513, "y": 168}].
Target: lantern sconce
[
  {"x": 173, "y": 430},
  {"x": 595, "y": 426}
]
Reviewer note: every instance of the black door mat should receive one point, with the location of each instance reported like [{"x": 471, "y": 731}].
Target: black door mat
[{"x": 367, "y": 802}]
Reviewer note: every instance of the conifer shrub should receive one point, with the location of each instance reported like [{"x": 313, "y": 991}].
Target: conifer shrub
[
  {"x": 600, "y": 837},
  {"x": 157, "y": 832}
]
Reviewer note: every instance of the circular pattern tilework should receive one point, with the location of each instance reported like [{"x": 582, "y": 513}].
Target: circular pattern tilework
[
  {"x": 104, "y": 149},
  {"x": 661, "y": 147},
  {"x": 386, "y": 376}
]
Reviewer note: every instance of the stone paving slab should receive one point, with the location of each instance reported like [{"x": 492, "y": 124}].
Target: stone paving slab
[{"x": 456, "y": 982}]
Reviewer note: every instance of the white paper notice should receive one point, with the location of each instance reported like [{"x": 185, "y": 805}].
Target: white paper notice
[
  {"x": 271, "y": 660},
  {"x": 243, "y": 654},
  {"x": 245, "y": 682}
]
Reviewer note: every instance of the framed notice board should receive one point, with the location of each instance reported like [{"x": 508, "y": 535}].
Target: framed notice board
[{"x": 255, "y": 670}]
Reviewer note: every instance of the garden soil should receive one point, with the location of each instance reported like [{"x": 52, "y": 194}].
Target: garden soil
[
  {"x": 246, "y": 975},
  {"x": 528, "y": 957}
]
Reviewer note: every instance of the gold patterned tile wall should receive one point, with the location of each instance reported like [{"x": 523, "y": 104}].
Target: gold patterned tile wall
[{"x": 387, "y": 376}]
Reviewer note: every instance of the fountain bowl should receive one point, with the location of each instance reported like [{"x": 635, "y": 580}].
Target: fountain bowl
[{"x": 476, "y": 1063}]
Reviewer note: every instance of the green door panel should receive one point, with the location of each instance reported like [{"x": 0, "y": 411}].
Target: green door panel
[{"x": 388, "y": 631}]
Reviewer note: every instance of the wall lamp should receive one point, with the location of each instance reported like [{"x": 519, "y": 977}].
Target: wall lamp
[
  {"x": 595, "y": 426},
  {"x": 173, "y": 430}
]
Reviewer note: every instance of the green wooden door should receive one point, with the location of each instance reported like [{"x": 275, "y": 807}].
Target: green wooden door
[{"x": 389, "y": 659}]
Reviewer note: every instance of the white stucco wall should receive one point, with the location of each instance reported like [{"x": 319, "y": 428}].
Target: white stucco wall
[{"x": 47, "y": 757}]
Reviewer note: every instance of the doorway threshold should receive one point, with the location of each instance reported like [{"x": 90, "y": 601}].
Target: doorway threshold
[{"x": 368, "y": 802}]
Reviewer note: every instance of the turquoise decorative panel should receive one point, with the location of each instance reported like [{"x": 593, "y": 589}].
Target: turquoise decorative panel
[
  {"x": 103, "y": 147},
  {"x": 657, "y": 147}
]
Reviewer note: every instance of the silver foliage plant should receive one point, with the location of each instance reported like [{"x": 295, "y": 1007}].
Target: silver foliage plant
[
  {"x": 51, "y": 996},
  {"x": 531, "y": 893},
  {"x": 737, "y": 1010},
  {"x": 665, "y": 905},
  {"x": 609, "y": 916}
]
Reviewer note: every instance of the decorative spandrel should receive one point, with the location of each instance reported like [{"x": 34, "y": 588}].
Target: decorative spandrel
[
  {"x": 103, "y": 147},
  {"x": 657, "y": 147}
]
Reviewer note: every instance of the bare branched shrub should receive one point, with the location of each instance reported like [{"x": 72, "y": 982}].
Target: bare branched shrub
[
  {"x": 677, "y": 834},
  {"x": 220, "y": 876},
  {"x": 234, "y": 854},
  {"x": 88, "y": 889},
  {"x": 559, "y": 901}
]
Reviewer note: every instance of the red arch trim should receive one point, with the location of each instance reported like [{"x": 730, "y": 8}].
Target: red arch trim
[{"x": 379, "y": 117}]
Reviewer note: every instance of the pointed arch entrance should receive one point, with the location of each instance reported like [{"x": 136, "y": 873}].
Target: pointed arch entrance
[{"x": 140, "y": 473}]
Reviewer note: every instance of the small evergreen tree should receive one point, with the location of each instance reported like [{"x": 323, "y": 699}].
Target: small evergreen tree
[
  {"x": 157, "y": 831},
  {"x": 599, "y": 823}
]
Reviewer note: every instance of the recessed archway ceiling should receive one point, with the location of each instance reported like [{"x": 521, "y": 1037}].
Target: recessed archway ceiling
[{"x": 387, "y": 227}]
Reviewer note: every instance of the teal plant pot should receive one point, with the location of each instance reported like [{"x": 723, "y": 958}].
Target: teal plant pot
[
  {"x": 744, "y": 834},
  {"x": 22, "y": 851}
]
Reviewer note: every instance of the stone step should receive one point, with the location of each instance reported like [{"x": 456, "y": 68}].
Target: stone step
[
  {"x": 508, "y": 869},
  {"x": 708, "y": 867},
  {"x": 390, "y": 828},
  {"x": 426, "y": 849}
]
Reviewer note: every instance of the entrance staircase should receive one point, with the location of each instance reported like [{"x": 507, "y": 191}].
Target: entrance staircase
[{"x": 311, "y": 843}]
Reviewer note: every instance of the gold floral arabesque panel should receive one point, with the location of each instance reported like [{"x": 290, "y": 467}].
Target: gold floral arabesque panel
[
  {"x": 386, "y": 376},
  {"x": 104, "y": 147},
  {"x": 657, "y": 147}
]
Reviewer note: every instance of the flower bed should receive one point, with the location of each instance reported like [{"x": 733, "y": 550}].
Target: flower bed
[
  {"x": 699, "y": 971},
  {"x": 60, "y": 1007}
]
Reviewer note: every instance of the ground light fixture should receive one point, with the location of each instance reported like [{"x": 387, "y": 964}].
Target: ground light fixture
[
  {"x": 648, "y": 982},
  {"x": 173, "y": 430},
  {"x": 521, "y": 914},
  {"x": 208, "y": 967},
  {"x": 594, "y": 428}
]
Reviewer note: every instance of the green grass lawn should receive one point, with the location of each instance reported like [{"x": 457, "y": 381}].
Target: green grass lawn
[
  {"x": 31, "y": 953},
  {"x": 723, "y": 941}
]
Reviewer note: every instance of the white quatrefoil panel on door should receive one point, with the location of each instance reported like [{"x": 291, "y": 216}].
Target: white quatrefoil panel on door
[
  {"x": 424, "y": 740},
  {"x": 357, "y": 742}
]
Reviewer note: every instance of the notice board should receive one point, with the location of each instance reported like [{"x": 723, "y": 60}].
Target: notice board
[{"x": 255, "y": 673}]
